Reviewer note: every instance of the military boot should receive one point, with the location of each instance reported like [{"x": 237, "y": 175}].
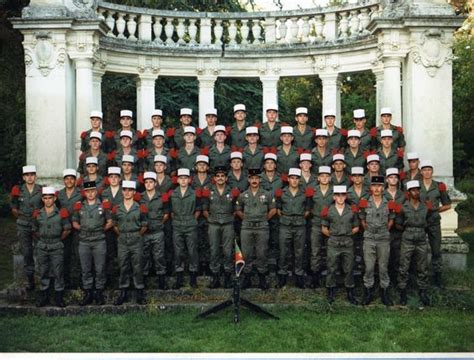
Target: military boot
[
  {"x": 31, "y": 283},
  {"x": 162, "y": 282},
  {"x": 246, "y": 282},
  {"x": 99, "y": 297},
  {"x": 384, "y": 295},
  {"x": 351, "y": 296},
  {"x": 403, "y": 297},
  {"x": 140, "y": 297},
  {"x": 179, "y": 281},
  {"x": 281, "y": 281},
  {"x": 300, "y": 281},
  {"x": 43, "y": 298},
  {"x": 59, "y": 299},
  {"x": 215, "y": 283},
  {"x": 437, "y": 280},
  {"x": 122, "y": 297},
  {"x": 262, "y": 282},
  {"x": 193, "y": 279},
  {"x": 315, "y": 280},
  {"x": 87, "y": 298},
  {"x": 227, "y": 280},
  {"x": 330, "y": 295},
  {"x": 367, "y": 296},
  {"x": 424, "y": 297}
]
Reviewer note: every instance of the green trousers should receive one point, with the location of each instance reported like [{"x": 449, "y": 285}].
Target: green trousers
[
  {"x": 340, "y": 250},
  {"x": 154, "y": 253},
  {"x": 291, "y": 244},
  {"x": 185, "y": 238},
  {"x": 419, "y": 251},
  {"x": 255, "y": 242},
  {"x": 130, "y": 257},
  {"x": 93, "y": 256},
  {"x": 50, "y": 261},
  {"x": 221, "y": 241},
  {"x": 376, "y": 250}
]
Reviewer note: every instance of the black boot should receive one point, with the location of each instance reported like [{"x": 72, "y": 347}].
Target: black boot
[
  {"x": 403, "y": 297},
  {"x": 385, "y": 296},
  {"x": 424, "y": 297},
  {"x": 193, "y": 279},
  {"x": 351, "y": 296},
  {"x": 215, "y": 283},
  {"x": 262, "y": 282},
  {"x": 59, "y": 299},
  {"x": 330, "y": 295},
  {"x": 246, "y": 282},
  {"x": 122, "y": 297},
  {"x": 281, "y": 281},
  {"x": 367, "y": 296},
  {"x": 437, "y": 280},
  {"x": 179, "y": 281},
  {"x": 315, "y": 280},
  {"x": 87, "y": 298},
  {"x": 162, "y": 282},
  {"x": 141, "y": 297},
  {"x": 99, "y": 297},
  {"x": 31, "y": 283},
  {"x": 300, "y": 281},
  {"x": 227, "y": 280},
  {"x": 43, "y": 298}
]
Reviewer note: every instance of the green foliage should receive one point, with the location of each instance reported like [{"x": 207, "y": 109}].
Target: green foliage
[{"x": 465, "y": 209}]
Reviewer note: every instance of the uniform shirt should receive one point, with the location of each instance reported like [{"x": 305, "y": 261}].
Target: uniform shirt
[
  {"x": 221, "y": 207},
  {"x": 165, "y": 185},
  {"x": 270, "y": 137},
  {"x": 129, "y": 221},
  {"x": 255, "y": 207},
  {"x": 242, "y": 183},
  {"x": 150, "y": 161},
  {"x": 311, "y": 181},
  {"x": 293, "y": 207},
  {"x": 270, "y": 184},
  {"x": 436, "y": 197},
  {"x": 206, "y": 139},
  {"x": 377, "y": 218},
  {"x": 148, "y": 137},
  {"x": 368, "y": 179},
  {"x": 179, "y": 137},
  {"x": 399, "y": 197},
  {"x": 25, "y": 202},
  {"x": 117, "y": 158},
  {"x": 218, "y": 158},
  {"x": 305, "y": 139},
  {"x": 344, "y": 180},
  {"x": 354, "y": 198},
  {"x": 99, "y": 182},
  {"x": 237, "y": 137},
  {"x": 253, "y": 160},
  {"x": 101, "y": 160},
  {"x": 409, "y": 178},
  {"x": 354, "y": 161},
  {"x": 286, "y": 161},
  {"x": 397, "y": 135},
  {"x": 107, "y": 195},
  {"x": 117, "y": 138},
  {"x": 196, "y": 183},
  {"x": 49, "y": 228},
  {"x": 63, "y": 201},
  {"x": 156, "y": 210},
  {"x": 184, "y": 206},
  {"x": 340, "y": 225},
  {"x": 320, "y": 160},
  {"x": 85, "y": 139},
  {"x": 319, "y": 202},
  {"x": 187, "y": 160},
  {"x": 392, "y": 160},
  {"x": 366, "y": 140},
  {"x": 92, "y": 219},
  {"x": 414, "y": 221},
  {"x": 336, "y": 140}
]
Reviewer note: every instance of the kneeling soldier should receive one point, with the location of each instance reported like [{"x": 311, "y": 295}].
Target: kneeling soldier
[
  {"x": 130, "y": 223},
  {"x": 339, "y": 223},
  {"x": 50, "y": 227},
  {"x": 92, "y": 219}
]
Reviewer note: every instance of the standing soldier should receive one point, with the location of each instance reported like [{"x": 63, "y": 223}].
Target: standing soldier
[
  {"x": 307, "y": 177},
  {"x": 414, "y": 172},
  {"x": 157, "y": 148},
  {"x": 270, "y": 130},
  {"x": 91, "y": 174},
  {"x": 206, "y": 137},
  {"x": 237, "y": 178},
  {"x": 124, "y": 148},
  {"x": 293, "y": 208},
  {"x": 157, "y": 125},
  {"x": 339, "y": 223},
  {"x": 357, "y": 190},
  {"x": 287, "y": 157},
  {"x": 50, "y": 227},
  {"x": 339, "y": 175},
  {"x": 373, "y": 167},
  {"x": 126, "y": 121},
  {"x": 436, "y": 193},
  {"x": 385, "y": 124},
  {"x": 237, "y": 132},
  {"x": 255, "y": 207},
  {"x": 154, "y": 239},
  {"x": 354, "y": 155},
  {"x": 96, "y": 125},
  {"x": 303, "y": 133},
  {"x": 185, "y": 211},
  {"x": 24, "y": 199},
  {"x": 218, "y": 209},
  {"x": 337, "y": 137},
  {"x": 320, "y": 153},
  {"x": 389, "y": 158},
  {"x": 252, "y": 153},
  {"x": 414, "y": 245},
  {"x": 92, "y": 219},
  {"x": 130, "y": 224},
  {"x": 95, "y": 150},
  {"x": 377, "y": 218},
  {"x": 219, "y": 152},
  {"x": 366, "y": 138},
  {"x": 189, "y": 151},
  {"x": 186, "y": 120}
]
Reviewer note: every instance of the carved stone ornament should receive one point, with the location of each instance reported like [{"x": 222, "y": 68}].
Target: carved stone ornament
[
  {"x": 85, "y": 8},
  {"x": 432, "y": 51},
  {"x": 44, "y": 53}
]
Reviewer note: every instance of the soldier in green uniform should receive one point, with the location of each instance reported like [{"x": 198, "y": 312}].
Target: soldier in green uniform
[
  {"x": 24, "y": 199},
  {"x": 96, "y": 125},
  {"x": 353, "y": 154},
  {"x": 339, "y": 175},
  {"x": 337, "y": 137},
  {"x": 386, "y": 124},
  {"x": 185, "y": 210},
  {"x": 154, "y": 239},
  {"x": 357, "y": 190},
  {"x": 218, "y": 209},
  {"x": 287, "y": 157},
  {"x": 413, "y": 221},
  {"x": 321, "y": 154},
  {"x": 158, "y": 148},
  {"x": 237, "y": 178},
  {"x": 66, "y": 198},
  {"x": 323, "y": 197},
  {"x": 436, "y": 193},
  {"x": 124, "y": 149},
  {"x": 186, "y": 120},
  {"x": 270, "y": 130},
  {"x": 377, "y": 218},
  {"x": 50, "y": 227},
  {"x": 189, "y": 151},
  {"x": 307, "y": 177},
  {"x": 255, "y": 207},
  {"x": 252, "y": 153},
  {"x": 366, "y": 138},
  {"x": 95, "y": 150},
  {"x": 339, "y": 222},
  {"x": 91, "y": 173},
  {"x": 130, "y": 224},
  {"x": 126, "y": 121},
  {"x": 219, "y": 152},
  {"x": 414, "y": 172},
  {"x": 373, "y": 168},
  {"x": 293, "y": 208},
  {"x": 206, "y": 137},
  {"x": 157, "y": 125},
  {"x": 237, "y": 133},
  {"x": 303, "y": 133},
  {"x": 92, "y": 218},
  {"x": 389, "y": 158}
]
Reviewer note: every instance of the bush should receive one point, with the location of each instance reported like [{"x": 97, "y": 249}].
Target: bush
[{"x": 466, "y": 185}]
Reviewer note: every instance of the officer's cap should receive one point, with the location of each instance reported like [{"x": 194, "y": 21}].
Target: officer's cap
[
  {"x": 92, "y": 160},
  {"x": 254, "y": 171},
  {"x": 386, "y": 133},
  {"x": 97, "y": 114},
  {"x": 128, "y": 158},
  {"x": 301, "y": 110},
  {"x": 69, "y": 172},
  {"x": 48, "y": 190},
  {"x": 305, "y": 157},
  {"x": 219, "y": 128},
  {"x": 294, "y": 172},
  {"x": 89, "y": 185},
  {"x": 324, "y": 170},
  {"x": 189, "y": 129},
  {"x": 251, "y": 130},
  {"x": 149, "y": 175},
  {"x": 270, "y": 156},
  {"x": 329, "y": 112},
  {"x": 373, "y": 157},
  {"x": 95, "y": 135},
  {"x": 220, "y": 169},
  {"x": 338, "y": 157},
  {"x": 339, "y": 189},
  {"x": 129, "y": 184},
  {"x": 236, "y": 155},
  {"x": 211, "y": 111},
  {"x": 126, "y": 133},
  {"x": 271, "y": 107},
  {"x": 385, "y": 111},
  {"x": 114, "y": 170},
  {"x": 426, "y": 163},
  {"x": 321, "y": 132},
  {"x": 183, "y": 172},
  {"x": 239, "y": 107},
  {"x": 412, "y": 156},
  {"x": 28, "y": 169},
  {"x": 186, "y": 111},
  {"x": 413, "y": 184},
  {"x": 124, "y": 113},
  {"x": 357, "y": 170},
  {"x": 286, "y": 130},
  {"x": 160, "y": 158},
  {"x": 359, "y": 114},
  {"x": 202, "y": 158},
  {"x": 376, "y": 180},
  {"x": 391, "y": 171},
  {"x": 158, "y": 132},
  {"x": 157, "y": 112},
  {"x": 353, "y": 133}
]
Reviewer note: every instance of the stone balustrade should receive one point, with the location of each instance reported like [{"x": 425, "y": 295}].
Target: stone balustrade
[{"x": 177, "y": 28}]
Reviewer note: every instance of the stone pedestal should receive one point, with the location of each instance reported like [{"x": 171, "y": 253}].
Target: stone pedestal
[
  {"x": 270, "y": 92},
  {"x": 331, "y": 95},
  {"x": 145, "y": 100},
  {"x": 206, "y": 97}
]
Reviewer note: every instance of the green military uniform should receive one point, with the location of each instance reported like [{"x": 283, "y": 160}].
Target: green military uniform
[
  {"x": 354, "y": 199},
  {"x": 101, "y": 163},
  {"x": 305, "y": 139},
  {"x": 187, "y": 160},
  {"x": 414, "y": 244},
  {"x": 150, "y": 162},
  {"x": 285, "y": 161},
  {"x": 357, "y": 160},
  {"x": 130, "y": 243},
  {"x": 221, "y": 207},
  {"x": 254, "y": 234},
  {"x": 438, "y": 196},
  {"x": 92, "y": 245},
  {"x": 219, "y": 158},
  {"x": 253, "y": 160},
  {"x": 366, "y": 140},
  {"x": 237, "y": 136},
  {"x": 26, "y": 203},
  {"x": 49, "y": 247},
  {"x": 395, "y": 235},
  {"x": 393, "y": 160},
  {"x": 241, "y": 183},
  {"x": 343, "y": 180},
  {"x": 409, "y": 178},
  {"x": 117, "y": 138},
  {"x": 183, "y": 208},
  {"x": 117, "y": 159},
  {"x": 85, "y": 139},
  {"x": 376, "y": 241},
  {"x": 148, "y": 138},
  {"x": 292, "y": 229},
  {"x": 270, "y": 137},
  {"x": 166, "y": 186},
  {"x": 397, "y": 134},
  {"x": 206, "y": 138},
  {"x": 320, "y": 160},
  {"x": 202, "y": 236},
  {"x": 99, "y": 180},
  {"x": 337, "y": 140},
  {"x": 340, "y": 244},
  {"x": 318, "y": 239},
  {"x": 312, "y": 181}
]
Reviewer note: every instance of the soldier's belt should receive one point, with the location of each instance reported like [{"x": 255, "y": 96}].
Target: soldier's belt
[
  {"x": 91, "y": 233},
  {"x": 129, "y": 232},
  {"x": 254, "y": 223}
]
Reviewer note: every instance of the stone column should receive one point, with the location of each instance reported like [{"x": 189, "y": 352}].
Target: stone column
[
  {"x": 84, "y": 97},
  {"x": 392, "y": 95},
  {"x": 97, "y": 88},
  {"x": 145, "y": 99},
  {"x": 269, "y": 91},
  {"x": 378, "y": 72},
  {"x": 331, "y": 94},
  {"x": 206, "y": 97}
]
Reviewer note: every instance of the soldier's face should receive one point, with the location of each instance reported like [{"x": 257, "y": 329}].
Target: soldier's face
[
  {"x": 91, "y": 169},
  {"x": 330, "y": 120},
  {"x": 114, "y": 180},
  {"x": 271, "y": 115},
  {"x": 305, "y": 165},
  {"x": 427, "y": 172},
  {"x": 95, "y": 122},
  {"x": 69, "y": 182},
  {"x": 160, "y": 167},
  {"x": 360, "y": 123},
  {"x": 338, "y": 165},
  {"x": 386, "y": 119},
  {"x": 29, "y": 178},
  {"x": 125, "y": 141},
  {"x": 340, "y": 199},
  {"x": 414, "y": 193},
  {"x": 387, "y": 141},
  {"x": 293, "y": 181},
  {"x": 286, "y": 139},
  {"x": 127, "y": 168},
  {"x": 301, "y": 119},
  {"x": 376, "y": 189},
  {"x": 185, "y": 120},
  {"x": 413, "y": 164},
  {"x": 251, "y": 138},
  {"x": 353, "y": 142},
  {"x": 357, "y": 179},
  {"x": 254, "y": 181},
  {"x": 392, "y": 180},
  {"x": 236, "y": 164},
  {"x": 158, "y": 141},
  {"x": 269, "y": 165},
  {"x": 183, "y": 181},
  {"x": 324, "y": 178},
  {"x": 128, "y": 193},
  {"x": 220, "y": 178},
  {"x": 91, "y": 194},
  {"x": 189, "y": 138},
  {"x": 156, "y": 121},
  {"x": 373, "y": 166},
  {"x": 94, "y": 144},
  {"x": 48, "y": 200},
  {"x": 220, "y": 137},
  {"x": 126, "y": 122},
  {"x": 211, "y": 120},
  {"x": 202, "y": 167},
  {"x": 321, "y": 141},
  {"x": 240, "y": 115},
  {"x": 150, "y": 184}
]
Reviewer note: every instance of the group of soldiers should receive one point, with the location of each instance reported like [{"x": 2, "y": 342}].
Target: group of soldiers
[{"x": 177, "y": 199}]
